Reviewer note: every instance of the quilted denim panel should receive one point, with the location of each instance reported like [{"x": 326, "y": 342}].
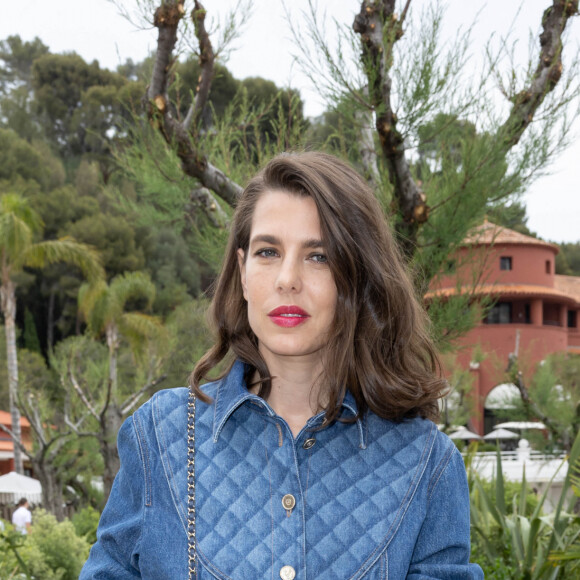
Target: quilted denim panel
[
  {"x": 351, "y": 519},
  {"x": 345, "y": 520}
]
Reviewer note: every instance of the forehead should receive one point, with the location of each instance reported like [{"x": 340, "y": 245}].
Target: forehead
[{"x": 279, "y": 212}]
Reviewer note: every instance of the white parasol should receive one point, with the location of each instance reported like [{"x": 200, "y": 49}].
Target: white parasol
[
  {"x": 464, "y": 433},
  {"x": 501, "y": 434},
  {"x": 14, "y": 486}
]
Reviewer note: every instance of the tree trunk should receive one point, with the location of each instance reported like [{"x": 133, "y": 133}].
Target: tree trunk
[
  {"x": 111, "y": 421},
  {"x": 52, "y": 498},
  {"x": 50, "y": 321},
  {"x": 8, "y": 305}
]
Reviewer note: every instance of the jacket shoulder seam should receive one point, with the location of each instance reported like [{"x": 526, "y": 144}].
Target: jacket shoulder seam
[
  {"x": 440, "y": 469},
  {"x": 145, "y": 460}
]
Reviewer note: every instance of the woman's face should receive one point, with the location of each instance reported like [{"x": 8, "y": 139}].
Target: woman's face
[{"x": 286, "y": 278}]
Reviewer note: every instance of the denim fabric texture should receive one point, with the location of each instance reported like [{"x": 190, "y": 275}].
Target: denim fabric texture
[{"x": 373, "y": 499}]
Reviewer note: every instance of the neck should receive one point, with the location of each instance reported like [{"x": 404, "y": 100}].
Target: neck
[{"x": 295, "y": 391}]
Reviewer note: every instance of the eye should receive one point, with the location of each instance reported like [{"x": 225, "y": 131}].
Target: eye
[
  {"x": 266, "y": 253},
  {"x": 319, "y": 258}
]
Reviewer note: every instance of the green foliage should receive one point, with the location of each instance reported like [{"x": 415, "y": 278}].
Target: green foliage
[
  {"x": 555, "y": 392},
  {"x": 457, "y": 406},
  {"x": 52, "y": 550},
  {"x": 59, "y": 82},
  {"x": 511, "y": 215},
  {"x": 11, "y": 561},
  {"x": 190, "y": 339},
  {"x": 173, "y": 269},
  {"x": 568, "y": 261},
  {"x": 523, "y": 541},
  {"x": 21, "y": 160},
  {"x": 18, "y": 56},
  {"x": 30, "y": 336},
  {"x": 85, "y": 522}
]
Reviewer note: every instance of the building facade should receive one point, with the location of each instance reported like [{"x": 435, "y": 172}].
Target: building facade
[
  {"x": 535, "y": 311},
  {"x": 7, "y": 447}
]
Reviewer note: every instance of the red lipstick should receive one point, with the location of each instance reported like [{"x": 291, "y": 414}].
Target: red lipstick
[{"x": 288, "y": 316}]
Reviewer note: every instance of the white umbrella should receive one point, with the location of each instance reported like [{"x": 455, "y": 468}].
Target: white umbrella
[
  {"x": 501, "y": 434},
  {"x": 521, "y": 425},
  {"x": 464, "y": 433},
  {"x": 14, "y": 486}
]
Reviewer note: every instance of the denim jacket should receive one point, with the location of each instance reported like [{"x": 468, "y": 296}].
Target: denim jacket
[{"x": 369, "y": 499}]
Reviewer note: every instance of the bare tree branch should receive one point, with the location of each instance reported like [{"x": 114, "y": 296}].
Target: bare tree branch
[
  {"x": 133, "y": 399},
  {"x": 533, "y": 409},
  {"x": 379, "y": 28},
  {"x": 35, "y": 422},
  {"x": 14, "y": 439},
  {"x": 166, "y": 20},
  {"x": 202, "y": 197},
  {"x": 547, "y": 74},
  {"x": 194, "y": 162},
  {"x": 81, "y": 394},
  {"x": 75, "y": 429},
  {"x": 206, "y": 61}
]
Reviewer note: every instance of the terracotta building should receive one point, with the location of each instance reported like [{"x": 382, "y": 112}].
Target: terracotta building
[
  {"x": 7, "y": 447},
  {"x": 535, "y": 313}
]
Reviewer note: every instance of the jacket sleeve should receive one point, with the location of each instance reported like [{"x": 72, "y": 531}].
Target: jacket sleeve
[
  {"x": 115, "y": 554},
  {"x": 443, "y": 546}
]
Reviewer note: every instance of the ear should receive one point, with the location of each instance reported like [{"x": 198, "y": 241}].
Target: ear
[{"x": 242, "y": 266}]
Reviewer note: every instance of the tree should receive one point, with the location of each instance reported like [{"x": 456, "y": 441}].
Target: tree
[
  {"x": 59, "y": 81},
  {"x": 481, "y": 154},
  {"x": 568, "y": 259},
  {"x": 104, "y": 307},
  {"x": 49, "y": 456},
  {"x": 16, "y": 84},
  {"x": 18, "y": 225},
  {"x": 552, "y": 396}
]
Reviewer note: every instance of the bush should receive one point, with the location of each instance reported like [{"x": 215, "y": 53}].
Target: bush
[
  {"x": 53, "y": 551},
  {"x": 85, "y": 523},
  {"x": 514, "y": 539}
]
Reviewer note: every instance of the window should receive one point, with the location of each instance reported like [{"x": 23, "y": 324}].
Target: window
[
  {"x": 571, "y": 319},
  {"x": 505, "y": 263},
  {"x": 548, "y": 267},
  {"x": 528, "y": 313},
  {"x": 501, "y": 313}
]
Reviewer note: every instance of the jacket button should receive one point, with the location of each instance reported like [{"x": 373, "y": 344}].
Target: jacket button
[
  {"x": 287, "y": 573},
  {"x": 308, "y": 444},
  {"x": 288, "y": 503}
]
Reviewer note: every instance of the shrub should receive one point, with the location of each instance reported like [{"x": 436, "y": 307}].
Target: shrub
[
  {"x": 53, "y": 551},
  {"x": 86, "y": 522}
]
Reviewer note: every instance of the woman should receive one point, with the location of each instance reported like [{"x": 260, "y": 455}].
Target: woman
[{"x": 314, "y": 453}]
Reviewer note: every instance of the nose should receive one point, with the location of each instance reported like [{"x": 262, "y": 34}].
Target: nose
[{"x": 289, "y": 276}]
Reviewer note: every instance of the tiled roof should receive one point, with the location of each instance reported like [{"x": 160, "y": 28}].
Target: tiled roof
[
  {"x": 5, "y": 419},
  {"x": 528, "y": 290},
  {"x": 569, "y": 285},
  {"x": 490, "y": 233}
]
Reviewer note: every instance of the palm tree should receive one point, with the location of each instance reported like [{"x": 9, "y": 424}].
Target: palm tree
[
  {"x": 104, "y": 308},
  {"x": 20, "y": 226}
]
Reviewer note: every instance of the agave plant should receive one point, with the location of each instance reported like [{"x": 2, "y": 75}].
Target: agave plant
[
  {"x": 536, "y": 546},
  {"x": 571, "y": 553}
]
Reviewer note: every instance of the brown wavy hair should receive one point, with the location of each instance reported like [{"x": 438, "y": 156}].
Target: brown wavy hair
[{"x": 379, "y": 346}]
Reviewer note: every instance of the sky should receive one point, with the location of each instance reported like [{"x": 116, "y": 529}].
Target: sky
[{"x": 96, "y": 30}]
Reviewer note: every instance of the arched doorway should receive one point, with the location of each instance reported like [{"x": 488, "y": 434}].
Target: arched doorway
[{"x": 503, "y": 396}]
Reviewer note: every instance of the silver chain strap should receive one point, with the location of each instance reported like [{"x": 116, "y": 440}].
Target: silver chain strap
[{"x": 191, "y": 485}]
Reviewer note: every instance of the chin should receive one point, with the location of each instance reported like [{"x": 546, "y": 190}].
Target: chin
[{"x": 291, "y": 349}]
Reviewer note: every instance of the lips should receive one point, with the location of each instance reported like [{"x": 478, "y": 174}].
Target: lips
[{"x": 288, "y": 316}]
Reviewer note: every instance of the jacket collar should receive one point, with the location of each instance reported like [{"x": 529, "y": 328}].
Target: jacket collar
[{"x": 231, "y": 393}]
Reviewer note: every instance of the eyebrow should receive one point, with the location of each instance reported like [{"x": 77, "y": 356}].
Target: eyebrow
[{"x": 269, "y": 239}]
